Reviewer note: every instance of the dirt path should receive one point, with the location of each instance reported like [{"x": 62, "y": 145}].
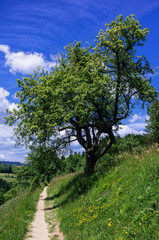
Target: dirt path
[
  {"x": 39, "y": 227},
  {"x": 39, "y": 230}
]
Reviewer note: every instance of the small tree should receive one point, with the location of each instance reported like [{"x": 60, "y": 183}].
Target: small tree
[
  {"x": 153, "y": 122},
  {"x": 88, "y": 94},
  {"x": 44, "y": 161}
]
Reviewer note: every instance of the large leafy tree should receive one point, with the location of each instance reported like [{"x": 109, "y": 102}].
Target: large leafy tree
[{"x": 88, "y": 93}]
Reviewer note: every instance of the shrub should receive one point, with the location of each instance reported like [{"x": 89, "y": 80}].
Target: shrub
[{"x": 34, "y": 183}]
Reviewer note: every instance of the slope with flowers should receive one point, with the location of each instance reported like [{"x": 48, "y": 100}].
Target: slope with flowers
[{"x": 119, "y": 202}]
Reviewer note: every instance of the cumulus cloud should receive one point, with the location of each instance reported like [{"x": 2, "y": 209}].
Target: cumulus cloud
[
  {"x": 4, "y": 103},
  {"x": 127, "y": 129},
  {"x": 5, "y": 131},
  {"x": 2, "y": 157},
  {"x": 3, "y": 93},
  {"x": 5, "y": 49},
  {"x": 14, "y": 96},
  {"x": 25, "y": 62},
  {"x": 147, "y": 117},
  {"x": 137, "y": 126},
  {"x": 135, "y": 118},
  {"x": 8, "y": 151},
  {"x": 138, "y": 118},
  {"x": 3, "y": 100},
  {"x": 138, "y": 122}
]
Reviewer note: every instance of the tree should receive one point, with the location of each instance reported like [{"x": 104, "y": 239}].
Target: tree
[
  {"x": 74, "y": 163},
  {"x": 87, "y": 94},
  {"x": 5, "y": 168},
  {"x": 153, "y": 122},
  {"x": 44, "y": 161},
  {"x": 23, "y": 173}
]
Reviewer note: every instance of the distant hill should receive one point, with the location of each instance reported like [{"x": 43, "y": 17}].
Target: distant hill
[{"x": 11, "y": 163}]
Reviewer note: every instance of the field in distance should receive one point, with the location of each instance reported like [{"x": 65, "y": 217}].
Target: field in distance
[{"x": 9, "y": 177}]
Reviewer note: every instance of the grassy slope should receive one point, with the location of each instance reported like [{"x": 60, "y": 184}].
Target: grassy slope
[
  {"x": 16, "y": 214},
  {"x": 120, "y": 204}
]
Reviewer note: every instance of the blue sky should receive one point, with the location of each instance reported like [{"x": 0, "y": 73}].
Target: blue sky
[{"x": 32, "y": 33}]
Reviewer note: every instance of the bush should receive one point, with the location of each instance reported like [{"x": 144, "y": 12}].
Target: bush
[
  {"x": 34, "y": 183},
  {"x": 10, "y": 194}
]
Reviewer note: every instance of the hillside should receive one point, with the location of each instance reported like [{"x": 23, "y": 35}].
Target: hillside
[
  {"x": 11, "y": 163},
  {"x": 121, "y": 202}
]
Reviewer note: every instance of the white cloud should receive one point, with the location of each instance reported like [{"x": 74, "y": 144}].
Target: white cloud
[
  {"x": 147, "y": 117},
  {"x": 4, "y": 48},
  {"x": 3, "y": 93},
  {"x": 2, "y": 157},
  {"x": 14, "y": 96},
  {"x": 8, "y": 151},
  {"x": 4, "y": 103},
  {"x": 126, "y": 129},
  {"x": 135, "y": 118},
  {"x": 3, "y": 100},
  {"x": 26, "y": 62},
  {"x": 12, "y": 106},
  {"x": 5, "y": 131},
  {"x": 137, "y": 126}
]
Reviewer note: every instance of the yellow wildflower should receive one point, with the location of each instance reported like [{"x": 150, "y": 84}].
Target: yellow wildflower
[{"x": 109, "y": 224}]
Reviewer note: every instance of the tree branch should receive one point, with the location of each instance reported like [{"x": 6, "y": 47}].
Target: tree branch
[{"x": 107, "y": 146}]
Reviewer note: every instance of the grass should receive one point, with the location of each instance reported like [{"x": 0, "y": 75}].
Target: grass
[
  {"x": 16, "y": 214},
  {"x": 120, "y": 204},
  {"x": 9, "y": 177}
]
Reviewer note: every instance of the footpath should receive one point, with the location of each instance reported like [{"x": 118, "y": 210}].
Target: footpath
[{"x": 39, "y": 228}]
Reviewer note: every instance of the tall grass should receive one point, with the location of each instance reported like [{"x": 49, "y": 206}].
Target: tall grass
[
  {"x": 16, "y": 214},
  {"x": 122, "y": 203}
]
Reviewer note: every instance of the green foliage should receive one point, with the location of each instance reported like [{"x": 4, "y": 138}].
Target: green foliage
[
  {"x": 121, "y": 203},
  {"x": 16, "y": 189},
  {"x": 5, "y": 168},
  {"x": 131, "y": 143},
  {"x": 13, "y": 192},
  {"x": 4, "y": 187},
  {"x": 74, "y": 163},
  {"x": 87, "y": 94},
  {"x": 153, "y": 122},
  {"x": 16, "y": 214},
  {"x": 35, "y": 183},
  {"x": 23, "y": 173},
  {"x": 44, "y": 162},
  {"x": 22, "y": 178},
  {"x": 2, "y": 199}
]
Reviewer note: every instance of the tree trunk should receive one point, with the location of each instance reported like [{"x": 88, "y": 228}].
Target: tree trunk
[
  {"x": 92, "y": 155},
  {"x": 90, "y": 163}
]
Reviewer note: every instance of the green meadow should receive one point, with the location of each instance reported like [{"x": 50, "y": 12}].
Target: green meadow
[
  {"x": 118, "y": 203},
  {"x": 9, "y": 177}
]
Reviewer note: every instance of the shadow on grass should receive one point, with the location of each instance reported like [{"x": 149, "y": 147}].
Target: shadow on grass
[
  {"x": 53, "y": 207},
  {"x": 77, "y": 186}
]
